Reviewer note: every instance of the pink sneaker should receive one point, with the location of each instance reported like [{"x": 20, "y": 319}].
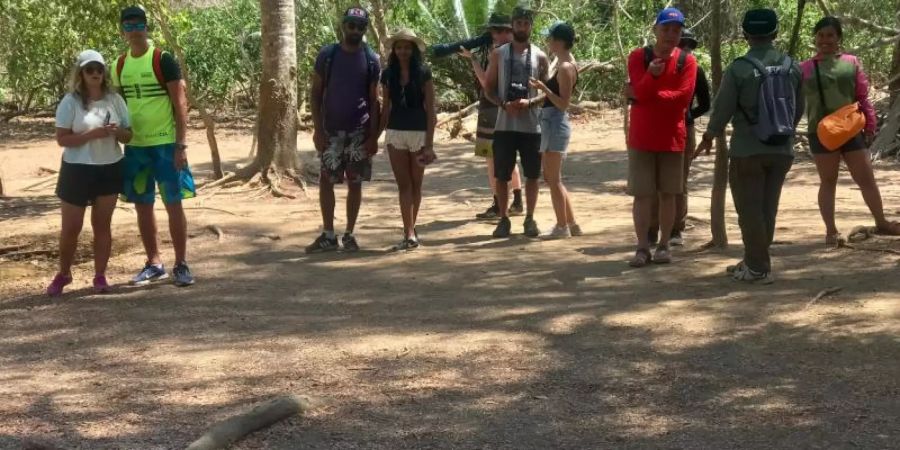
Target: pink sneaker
[
  {"x": 100, "y": 284},
  {"x": 56, "y": 287}
]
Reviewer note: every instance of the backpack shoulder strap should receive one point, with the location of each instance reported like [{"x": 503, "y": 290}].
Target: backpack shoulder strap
[
  {"x": 682, "y": 60},
  {"x": 787, "y": 64},
  {"x": 157, "y": 68},
  {"x": 329, "y": 59},
  {"x": 755, "y": 63},
  {"x": 648, "y": 56},
  {"x": 819, "y": 84},
  {"x": 371, "y": 61},
  {"x": 120, "y": 64}
]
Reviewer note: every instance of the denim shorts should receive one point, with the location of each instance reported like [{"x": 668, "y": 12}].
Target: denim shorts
[{"x": 555, "y": 130}]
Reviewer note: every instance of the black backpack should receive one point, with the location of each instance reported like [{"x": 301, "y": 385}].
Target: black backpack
[
  {"x": 371, "y": 63},
  {"x": 648, "y": 58}
]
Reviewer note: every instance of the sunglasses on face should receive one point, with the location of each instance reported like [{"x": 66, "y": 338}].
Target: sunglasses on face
[
  {"x": 129, "y": 27},
  {"x": 351, "y": 26},
  {"x": 90, "y": 70}
]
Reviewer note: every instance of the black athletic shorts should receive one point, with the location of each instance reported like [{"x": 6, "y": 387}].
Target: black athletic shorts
[
  {"x": 80, "y": 184},
  {"x": 858, "y": 142},
  {"x": 507, "y": 144}
]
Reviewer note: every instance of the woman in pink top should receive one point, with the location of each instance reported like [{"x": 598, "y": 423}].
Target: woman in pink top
[{"x": 831, "y": 80}]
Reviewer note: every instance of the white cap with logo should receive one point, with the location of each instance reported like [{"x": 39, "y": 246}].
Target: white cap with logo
[{"x": 88, "y": 56}]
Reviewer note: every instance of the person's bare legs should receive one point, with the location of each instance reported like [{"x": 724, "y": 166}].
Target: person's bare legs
[
  {"x": 532, "y": 187},
  {"x": 417, "y": 177},
  {"x": 828, "y": 166},
  {"x": 101, "y": 222},
  {"x": 552, "y": 168},
  {"x": 642, "y": 210},
  {"x": 72, "y": 221},
  {"x": 860, "y": 167},
  {"x": 147, "y": 227},
  {"x": 492, "y": 181},
  {"x": 516, "y": 182},
  {"x": 570, "y": 214},
  {"x": 354, "y": 201},
  {"x": 666, "y": 217},
  {"x": 326, "y": 202},
  {"x": 178, "y": 230},
  {"x": 502, "y": 197},
  {"x": 400, "y": 160}
]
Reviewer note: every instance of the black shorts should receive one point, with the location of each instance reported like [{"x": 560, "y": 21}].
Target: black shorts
[
  {"x": 80, "y": 184},
  {"x": 816, "y": 147},
  {"x": 507, "y": 144}
]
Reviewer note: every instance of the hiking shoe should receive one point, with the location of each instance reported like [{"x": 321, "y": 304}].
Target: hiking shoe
[
  {"x": 504, "y": 228},
  {"x": 531, "y": 228},
  {"x": 575, "y": 230},
  {"x": 150, "y": 272},
  {"x": 662, "y": 255},
  {"x": 732, "y": 269},
  {"x": 653, "y": 237},
  {"x": 491, "y": 213},
  {"x": 677, "y": 240},
  {"x": 641, "y": 258},
  {"x": 349, "y": 242},
  {"x": 749, "y": 275},
  {"x": 323, "y": 244},
  {"x": 100, "y": 284},
  {"x": 516, "y": 209},
  {"x": 182, "y": 274},
  {"x": 558, "y": 232},
  {"x": 56, "y": 286},
  {"x": 406, "y": 244}
]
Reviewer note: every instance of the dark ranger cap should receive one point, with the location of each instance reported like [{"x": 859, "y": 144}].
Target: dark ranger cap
[{"x": 760, "y": 22}]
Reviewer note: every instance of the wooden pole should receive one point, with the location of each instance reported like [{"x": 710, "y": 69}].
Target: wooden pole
[{"x": 720, "y": 177}]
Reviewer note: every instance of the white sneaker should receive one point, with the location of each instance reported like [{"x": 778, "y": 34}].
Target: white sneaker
[
  {"x": 575, "y": 230},
  {"x": 558, "y": 232},
  {"x": 744, "y": 273}
]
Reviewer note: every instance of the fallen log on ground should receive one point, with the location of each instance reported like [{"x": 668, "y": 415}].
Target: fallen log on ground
[{"x": 237, "y": 427}]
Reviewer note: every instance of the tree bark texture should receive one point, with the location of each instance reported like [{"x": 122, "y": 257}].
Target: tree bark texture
[{"x": 720, "y": 177}]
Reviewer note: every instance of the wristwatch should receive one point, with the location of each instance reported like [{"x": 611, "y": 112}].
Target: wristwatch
[{"x": 182, "y": 147}]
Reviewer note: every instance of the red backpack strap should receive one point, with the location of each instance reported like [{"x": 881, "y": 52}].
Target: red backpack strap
[
  {"x": 120, "y": 64},
  {"x": 157, "y": 68}
]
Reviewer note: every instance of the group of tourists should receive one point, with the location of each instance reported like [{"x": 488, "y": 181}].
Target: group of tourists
[{"x": 522, "y": 118}]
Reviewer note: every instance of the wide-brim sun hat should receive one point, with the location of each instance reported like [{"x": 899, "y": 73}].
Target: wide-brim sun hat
[
  {"x": 405, "y": 34},
  {"x": 499, "y": 21}
]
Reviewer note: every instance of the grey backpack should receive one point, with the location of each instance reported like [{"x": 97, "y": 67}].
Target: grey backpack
[{"x": 777, "y": 100}]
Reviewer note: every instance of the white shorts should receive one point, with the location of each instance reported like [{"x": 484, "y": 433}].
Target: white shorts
[{"x": 405, "y": 140}]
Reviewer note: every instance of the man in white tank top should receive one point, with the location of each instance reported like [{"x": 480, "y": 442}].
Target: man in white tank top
[{"x": 518, "y": 127}]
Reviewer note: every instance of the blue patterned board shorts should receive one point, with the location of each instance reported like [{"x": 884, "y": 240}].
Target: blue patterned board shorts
[
  {"x": 147, "y": 167},
  {"x": 346, "y": 158}
]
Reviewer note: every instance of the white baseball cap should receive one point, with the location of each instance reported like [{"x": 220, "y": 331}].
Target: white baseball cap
[{"x": 88, "y": 56}]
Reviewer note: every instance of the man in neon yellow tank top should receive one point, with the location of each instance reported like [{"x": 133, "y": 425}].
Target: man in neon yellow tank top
[{"x": 152, "y": 86}]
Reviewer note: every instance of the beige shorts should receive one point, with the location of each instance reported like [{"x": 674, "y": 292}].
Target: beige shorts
[
  {"x": 405, "y": 140},
  {"x": 651, "y": 173}
]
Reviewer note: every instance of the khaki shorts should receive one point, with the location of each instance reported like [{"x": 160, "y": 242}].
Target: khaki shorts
[{"x": 651, "y": 173}]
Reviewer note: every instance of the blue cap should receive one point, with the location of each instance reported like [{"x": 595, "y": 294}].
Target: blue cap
[{"x": 670, "y": 15}]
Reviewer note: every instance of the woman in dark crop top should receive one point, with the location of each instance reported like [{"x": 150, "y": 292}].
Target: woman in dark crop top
[
  {"x": 408, "y": 114},
  {"x": 555, "y": 129}
]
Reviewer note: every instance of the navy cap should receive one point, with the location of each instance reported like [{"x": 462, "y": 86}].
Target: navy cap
[
  {"x": 133, "y": 12},
  {"x": 520, "y": 12},
  {"x": 760, "y": 22},
  {"x": 356, "y": 14},
  {"x": 670, "y": 15},
  {"x": 561, "y": 31}
]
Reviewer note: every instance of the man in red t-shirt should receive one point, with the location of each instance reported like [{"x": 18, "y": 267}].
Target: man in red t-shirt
[{"x": 661, "y": 84}]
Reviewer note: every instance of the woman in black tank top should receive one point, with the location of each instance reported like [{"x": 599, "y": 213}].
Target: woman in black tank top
[{"x": 555, "y": 129}]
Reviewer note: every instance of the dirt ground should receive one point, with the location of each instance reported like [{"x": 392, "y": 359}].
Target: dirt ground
[{"x": 468, "y": 343}]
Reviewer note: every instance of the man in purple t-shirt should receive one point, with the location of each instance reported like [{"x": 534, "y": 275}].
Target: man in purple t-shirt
[{"x": 345, "y": 112}]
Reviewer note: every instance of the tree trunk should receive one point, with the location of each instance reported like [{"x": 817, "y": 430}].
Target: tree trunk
[
  {"x": 795, "y": 33},
  {"x": 277, "y": 120},
  {"x": 209, "y": 121},
  {"x": 720, "y": 177},
  {"x": 894, "y": 86},
  {"x": 379, "y": 28},
  {"x": 1, "y": 185}
]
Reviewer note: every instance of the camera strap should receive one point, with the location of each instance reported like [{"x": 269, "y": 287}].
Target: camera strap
[{"x": 512, "y": 54}]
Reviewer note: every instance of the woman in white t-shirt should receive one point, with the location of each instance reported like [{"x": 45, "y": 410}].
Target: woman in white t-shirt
[{"x": 91, "y": 120}]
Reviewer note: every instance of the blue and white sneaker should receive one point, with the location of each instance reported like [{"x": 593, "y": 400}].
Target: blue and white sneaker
[
  {"x": 182, "y": 274},
  {"x": 150, "y": 273}
]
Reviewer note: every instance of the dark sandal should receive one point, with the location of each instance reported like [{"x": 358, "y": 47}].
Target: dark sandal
[
  {"x": 894, "y": 229},
  {"x": 642, "y": 258}
]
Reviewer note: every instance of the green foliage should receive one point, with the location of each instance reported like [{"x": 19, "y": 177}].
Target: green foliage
[{"x": 222, "y": 41}]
